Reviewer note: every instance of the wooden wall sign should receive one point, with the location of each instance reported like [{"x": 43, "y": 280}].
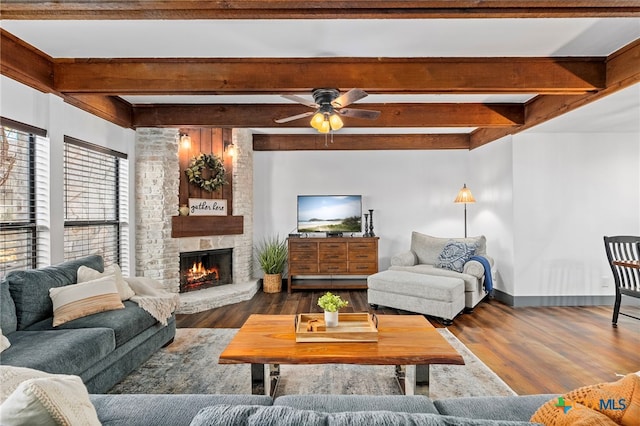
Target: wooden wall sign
[{"x": 207, "y": 207}]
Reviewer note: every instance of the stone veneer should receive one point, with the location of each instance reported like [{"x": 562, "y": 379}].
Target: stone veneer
[{"x": 157, "y": 253}]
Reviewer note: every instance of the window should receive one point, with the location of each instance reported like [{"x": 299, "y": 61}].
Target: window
[
  {"x": 23, "y": 163},
  {"x": 95, "y": 202}
]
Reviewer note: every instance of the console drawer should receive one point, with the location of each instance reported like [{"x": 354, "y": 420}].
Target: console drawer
[
  {"x": 301, "y": 245},
  {"x": 333, "y": 268},
  {"x": 362, "y": 256},
  {"x": 329, "y": 256},
  {"x": 363, "y": 268},
  {"x": 303, "y": 268},
  {"x": 303, "y": 256},
  {"x": 333, "y": 246},
  {"x": 362, "y": 245}
]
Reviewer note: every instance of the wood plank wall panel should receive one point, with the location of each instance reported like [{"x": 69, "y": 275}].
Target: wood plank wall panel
[{"x": 206, "y": 141}]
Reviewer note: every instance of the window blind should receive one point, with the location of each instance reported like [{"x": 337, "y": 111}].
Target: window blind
[
  {"x": 19, "y": 211},
  {"x": 92, "y": 198}
]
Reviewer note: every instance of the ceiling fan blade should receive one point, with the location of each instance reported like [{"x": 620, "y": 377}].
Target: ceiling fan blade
[
  {"x": 359, "y": 113},
  {"x": 348, "y": 98},
  {"x": 294, "y": 117},
  {"x": 301, "y": 100}
]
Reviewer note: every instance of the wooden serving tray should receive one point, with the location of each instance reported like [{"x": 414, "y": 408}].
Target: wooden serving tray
[{"x": 352, "y": 327}]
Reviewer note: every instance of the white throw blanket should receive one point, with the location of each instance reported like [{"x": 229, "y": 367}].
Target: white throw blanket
[{"x": 152, "y": 298}]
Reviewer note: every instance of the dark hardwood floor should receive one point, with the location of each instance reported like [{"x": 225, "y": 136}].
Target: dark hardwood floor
[{"x": 534, "y": 350}]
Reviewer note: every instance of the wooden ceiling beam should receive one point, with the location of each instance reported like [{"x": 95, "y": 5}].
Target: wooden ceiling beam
[
  {"x": 110, "y": 108},
  {"x": 24, "y": 63},
  {"x": 342, "y": 142},
  {"x": 391, "y": 115},
  {"x": 623, "y": 70},
  {"x": 316, "y": 9},
  {"x": 301, "y": 75}
]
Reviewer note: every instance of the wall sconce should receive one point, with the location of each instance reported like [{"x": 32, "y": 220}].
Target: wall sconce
[
  {"x": 230, "y": 148},
  {"x": 185, "y": 141}
]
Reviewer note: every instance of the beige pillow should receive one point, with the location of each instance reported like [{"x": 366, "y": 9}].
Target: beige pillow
[
  {"x": 87, "y": 274},
  {"x": 79, "y": 300},
  {"x": 4, "y": 342},
  {"x": 55, "y": 400}
]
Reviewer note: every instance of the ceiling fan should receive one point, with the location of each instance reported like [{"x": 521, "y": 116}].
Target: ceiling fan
[{"x": 329, "y": 105}]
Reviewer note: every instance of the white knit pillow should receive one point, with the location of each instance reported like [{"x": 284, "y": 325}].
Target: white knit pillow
[
  {"x": 87, "y": 274},
  {"x": 11, "y": 377},
  {"x": 79, "y": 300},
  {"x": 56, "y": 400}
]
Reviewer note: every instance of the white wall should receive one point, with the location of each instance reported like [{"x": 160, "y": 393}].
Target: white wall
[
  {"x": 408, "y": 190},
  {"x": 491, "y": 181},
  {"x": 544, "y": 201},
  {"x": 570, "y": 190},
  {"x": 24, "y": 104}
]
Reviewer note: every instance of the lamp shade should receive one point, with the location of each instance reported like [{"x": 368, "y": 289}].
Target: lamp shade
[
  {"x": 231, "y": 150},
  {"x": 185, "y": 141},
  {"x": 317, "y": 120},
  {"x": 335, "y": 122},
  {"x": 324, "y": 127},
  {"x": 464, "y": 196}
]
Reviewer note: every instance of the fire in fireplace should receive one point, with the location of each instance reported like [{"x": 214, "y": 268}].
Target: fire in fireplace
[{"x": 203, "y": 269}]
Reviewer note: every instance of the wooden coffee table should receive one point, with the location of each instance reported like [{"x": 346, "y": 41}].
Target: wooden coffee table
[{"x": 406, "y": 341}]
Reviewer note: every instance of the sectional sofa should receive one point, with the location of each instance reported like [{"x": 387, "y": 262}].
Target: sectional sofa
[
  {"x": 101, "y": 349},
  {"x": 198, "y": 410}
]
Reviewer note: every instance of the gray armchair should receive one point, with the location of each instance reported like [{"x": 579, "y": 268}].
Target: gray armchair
[{"x": 425, "y": 256}]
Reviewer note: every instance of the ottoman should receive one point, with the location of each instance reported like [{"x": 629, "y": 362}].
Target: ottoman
[{"x": 441, "y": 297}]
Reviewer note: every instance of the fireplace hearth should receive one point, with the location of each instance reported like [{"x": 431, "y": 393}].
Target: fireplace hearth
[{"x": 204, "y": 269}]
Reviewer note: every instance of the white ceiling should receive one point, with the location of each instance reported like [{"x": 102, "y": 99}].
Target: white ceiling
[
  {"x": 354, "y": 38},
  {"x": 328, "y": 38}
]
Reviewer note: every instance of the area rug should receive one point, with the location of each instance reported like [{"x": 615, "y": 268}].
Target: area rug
[{"x": 190, "y": 365}]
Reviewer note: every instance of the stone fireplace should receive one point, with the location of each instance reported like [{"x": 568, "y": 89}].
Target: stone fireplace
[{"x": 158, "y": 253}]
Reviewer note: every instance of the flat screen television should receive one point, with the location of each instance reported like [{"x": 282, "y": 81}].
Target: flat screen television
[{"x": 333, "y": 214}]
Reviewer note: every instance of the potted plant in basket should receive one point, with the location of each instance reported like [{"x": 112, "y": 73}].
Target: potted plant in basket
[
  {"x": 331, "y": 303},
  {"x": 272, "y": 257}
]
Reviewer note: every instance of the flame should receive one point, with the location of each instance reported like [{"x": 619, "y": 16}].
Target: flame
[{"x": 198, "y": 272}]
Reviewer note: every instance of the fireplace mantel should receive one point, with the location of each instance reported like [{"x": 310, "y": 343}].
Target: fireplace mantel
[{"x": 198, "y": 226}]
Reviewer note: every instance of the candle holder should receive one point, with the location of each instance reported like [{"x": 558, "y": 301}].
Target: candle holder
[
  {"x": 366, "y": 225},
  {"x": 371, "y": 234}
]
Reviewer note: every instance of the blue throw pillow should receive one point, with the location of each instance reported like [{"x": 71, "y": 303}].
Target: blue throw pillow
[{"x": 455, "y": 254}]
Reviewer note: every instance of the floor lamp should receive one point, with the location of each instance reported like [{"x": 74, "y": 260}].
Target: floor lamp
[{"x": 465, "y": 196}]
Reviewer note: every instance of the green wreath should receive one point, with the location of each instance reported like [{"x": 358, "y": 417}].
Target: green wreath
[{"x": 216, "y": 172}]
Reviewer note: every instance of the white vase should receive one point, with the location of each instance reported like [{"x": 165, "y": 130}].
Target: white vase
[{"x": 331, "y": 318}]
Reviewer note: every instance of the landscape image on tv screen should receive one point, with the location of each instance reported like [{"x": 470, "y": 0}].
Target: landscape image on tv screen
[{"x": 329, "y": 213}]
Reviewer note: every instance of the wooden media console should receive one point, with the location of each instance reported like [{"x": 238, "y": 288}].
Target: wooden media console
[{"x": 331, "y": 256}]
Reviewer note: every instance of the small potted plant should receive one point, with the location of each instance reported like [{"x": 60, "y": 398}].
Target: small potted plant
[
  {"x": 331, "y": 303},
  {"x": 272, "y": 257}
]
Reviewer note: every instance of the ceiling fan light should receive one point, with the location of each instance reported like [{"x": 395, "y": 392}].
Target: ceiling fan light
[
  {"x": 336, "y": 122},
  {"x": 324, "y": 127},
  {"x": 317, "y": 120}
]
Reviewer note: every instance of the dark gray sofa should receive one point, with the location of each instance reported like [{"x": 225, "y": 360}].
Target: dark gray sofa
[
  {"x": 101, "y": 348},
  {"x": 184, "y": 410}
]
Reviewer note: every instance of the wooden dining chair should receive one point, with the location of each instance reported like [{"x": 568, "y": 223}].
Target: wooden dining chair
[{"x": 627, "y": 278}]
